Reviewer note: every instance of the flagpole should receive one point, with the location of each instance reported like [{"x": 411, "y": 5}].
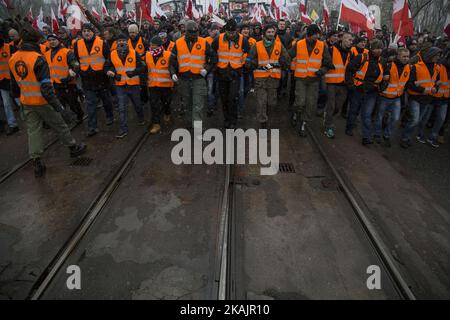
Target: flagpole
[
  {"x": 339, "y": 17},
  {"x": 140, "y": 14}
]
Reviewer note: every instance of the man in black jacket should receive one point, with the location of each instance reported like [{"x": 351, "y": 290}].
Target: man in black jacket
[{"x": 95, "y": 82}]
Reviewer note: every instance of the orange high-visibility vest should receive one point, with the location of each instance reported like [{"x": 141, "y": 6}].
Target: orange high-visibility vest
[
  {"x": 44, "y": 47},
  {"x": 139, "y": 46},
  {"x": 59, "y": 68},
  {"x": 193, "y": 61},
  {"x": 337, "y": 75},
  {"x": 158, "y": 74},
  {"x": 230, "y": 55},
  {"x": 209, "y": 39},
  {"x": 114, "y": 45},
  {"x": 441, "y": 74},
  {"x": 251, "y": 41},
  {"x": 360, "y": 75},
  {"x": 264, "y": 59},
  {"x": 396, "y": 86},
  {"x": 354, "y": 51},
  {"x": 95, "y": 58},
  {"x": 293, "y": 61},
  {"x": 5, "y": 55},
  {"x": 130, "y": 65},
  {"x": 423, "y": 79},
  {"x": 170, "y": 46},
  {"x": 305, "y": 65},
  {"x": 21, "y": 66}
]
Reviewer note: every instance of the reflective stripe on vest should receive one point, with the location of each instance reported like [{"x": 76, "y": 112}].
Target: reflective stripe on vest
[
  {"x": 337, "y": 75},
  {"x": 396, "y": 85},
  {"x": 263, "y": 59},
  {"x": 59, "y": 69},
  {"x": 5, "y": 55},
  {"x": 158, "y": 74},
  {"x": 139, "y": 46},
  {"x": 360, "y": 75},
  {"x": 95, "y": 58},
  {"x": 423, "y": 79},
  {"x": 306, "y": 66},
  {"x": 130, "y": 65},
  {"x": 441, "y": 74},
  {"x": 230, "y": 53},
  {"x": 193, "y": 61},
  {"x": 21, "y": 66}
]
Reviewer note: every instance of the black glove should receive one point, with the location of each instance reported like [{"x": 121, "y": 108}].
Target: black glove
[
  {"x": 131, "y": 74},
  {"x": 320, "y": 72},
  {"x": 67, "y": 115},
  {"x": 117, "y": 77}
]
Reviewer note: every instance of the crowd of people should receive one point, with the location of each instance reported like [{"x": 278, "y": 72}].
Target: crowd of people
[{"x": 194, "y": 65}]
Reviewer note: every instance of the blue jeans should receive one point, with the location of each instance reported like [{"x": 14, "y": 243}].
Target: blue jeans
[
  {"x": 8, "y": 106},
  {"x": 363, "y": 103},
  {"x": 392, "y": 105},
  {"x": 440, "y": 112},
  {"x": 134, "y": 94},
  {"x": 91, "y": 105},
  {"x": 417, "y": 114},
  {"x": 213, "y": 92}
]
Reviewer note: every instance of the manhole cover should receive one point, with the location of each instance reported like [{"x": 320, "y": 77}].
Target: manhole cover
[
  {"x": 286, "y": 168},
  {"x": 82, "y": 162}
]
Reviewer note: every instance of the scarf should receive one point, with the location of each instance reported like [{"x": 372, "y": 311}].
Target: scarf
[
  {"x": 267, "y": 43},
  {"x": 157, "y": 51}
]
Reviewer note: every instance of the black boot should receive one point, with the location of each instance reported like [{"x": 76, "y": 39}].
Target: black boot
[
  {"x": 39, "y": 168},
  {"x": 77, "y": 150}
]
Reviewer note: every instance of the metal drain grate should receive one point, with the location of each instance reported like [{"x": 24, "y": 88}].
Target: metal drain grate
[
  {"x": 82, "y": 162},
  {"x": 286, "y": 168}
]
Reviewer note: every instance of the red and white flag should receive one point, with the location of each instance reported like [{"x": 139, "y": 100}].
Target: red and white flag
[
  {"x": 356, "y": 13},
  {"x": 402, "y": 21},
  {"x": 211, "y": 7},
  {"x": 447, "y": 25},
  {"x": 188, "y": 11},
  {"x": 30, "y": 14},
  {"x": 144, "y": 8},
  {"x": 275, "y": 9},
  {"x": 156, "y": 10},
  {"x": 326, "y": 14},
  {"x": 96, "y": 14},
  {"x": 304, "y": 17},
  {"x": 55, "y": 25},
  {"x": 105, "y": 12},
  {"x": 119, "y": 8},
  {"x": 62, "y": 9},
  {"x": 38, "y": 22},
  {"x": 262, "y": 11},
  {"x": 196, "y": 14}
]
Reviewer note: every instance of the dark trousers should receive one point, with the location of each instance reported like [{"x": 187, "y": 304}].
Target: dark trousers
[
  {"x": 160, "y": 99},
  {"x": 68, "y": 96},
  {"x": 125, "y": 94},
  {"x": 229, "y": 94},
  {"x": 92, "y": 97}
]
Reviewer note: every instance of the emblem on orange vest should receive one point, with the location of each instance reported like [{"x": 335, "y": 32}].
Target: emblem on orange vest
[
  {"x": 59, "y": 58},
  {"x": 21, "y": 69},
  {"x": 198, "y": 46},
  {"x": 97, "y": 49},
  {"x": 130, "y": 60},
  {"x": 4, "y": 54},
  {"x": 405, "y": 74},
  {"x": 316, "y": 51},
  {"x": 236, "y": 45},
  {"x": 277, "y": 52},
  {"x": 140, "y": 46},
  {"x": 163, "y": 62}
]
